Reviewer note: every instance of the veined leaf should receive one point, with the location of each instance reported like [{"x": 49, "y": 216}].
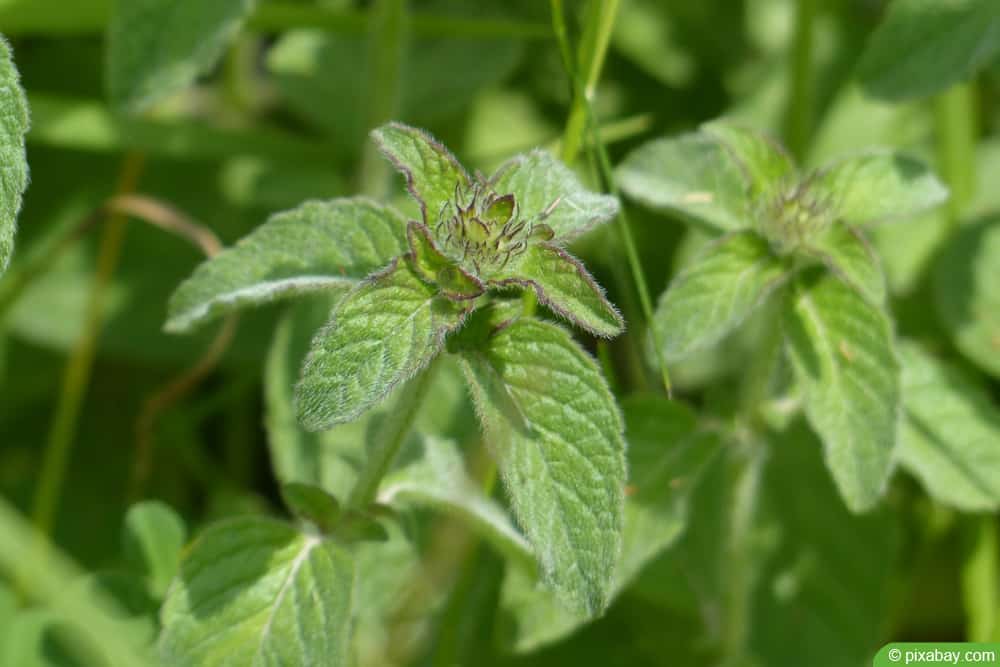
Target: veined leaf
[
  {"x": 152, "y": 542},
  {"x": 766, "y": 167},
  {"x": 158, "y": 47},
  {"x": 433, "y": 266},
  {"x": 439, "y": 480},
  {"x": 846, "y": 252},
  {"x": 715, "y": 294},
  {"x": 432, "y": 173},
  {"x": 539, "y": 181},
  {"x": 320, "y": 245},
  {"x": 967, "y": 292},
  {"x": 564, "y": 285},
  {"x": 14, "y": 171},
  {"x": 381, "y": 334},
  {"x": 924, "y": 46},
  {"x": 842, "y": 350},
  {"x": 666, "y": 456},
  {"x": 563, "y": 465},
  {"x": 257, "y": 592},
  {"x": 950, "y": 435},
  {"x": 879, "y": 186},
  {"x": 693, "y": 175}
]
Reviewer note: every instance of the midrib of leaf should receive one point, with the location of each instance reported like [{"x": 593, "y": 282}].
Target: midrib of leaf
[
  {"x": 310, "y": 543},
  {"x": 935, "y": 441}
]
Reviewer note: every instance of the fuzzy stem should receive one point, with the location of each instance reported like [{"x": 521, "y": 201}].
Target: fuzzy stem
[
  {"x": 390, "y": 438},
  {"x": 799, "y": 115},
  {"x": 956, "y": 122},
  {"x": 81, "y": 362}
]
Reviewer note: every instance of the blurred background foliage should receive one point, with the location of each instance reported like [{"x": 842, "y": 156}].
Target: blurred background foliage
[{"x": 284, "y": 118}]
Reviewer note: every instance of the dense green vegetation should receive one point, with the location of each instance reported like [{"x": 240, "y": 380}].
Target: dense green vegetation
[{"x": 428, "y": 332}]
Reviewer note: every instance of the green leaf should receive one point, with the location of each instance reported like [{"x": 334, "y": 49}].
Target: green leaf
[
  {"x": 257, "y": 592},
  {"x": 317, "y": 246},
  {"x": 924, "y": 46},
  {"x": 879, "y": 186},
  {"x": 842, "y": 350},
  {"x": 432, "y": 173},
  {"x": 967, "y": 292},
  {"x": 434, "y": 267},
  {"x": 565, "y": 287},
  {"x": 539, "y": 181},
  {"x": 311, "y": 503},
  {"x": 846, "y": 252},
  {"x": 766, "y": 167},
  {"x": 382, "y": 333},
  {"x": 439, "y": 480},
  {"x": 666, "y": 457},
  {"x": 152, "y": 541},
  {"x": 949, "y": 437},
  {"x": 693, "y": 175},
  {"x": 564, "y": 465},
  {"x": 713, "y": 295},
  {"x": 14, "y": 175},
  {"x": 159, "y": 47}
]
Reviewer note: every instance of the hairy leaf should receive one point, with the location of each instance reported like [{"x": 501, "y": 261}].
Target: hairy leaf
[
  {"x": 158, "y": 47},
  {"x": 924, "y": 46},
  {"x": 881, "y": 186},
  {"x": 950, "y": 434},
  {"x": 433, "y": 266},
  {"x": 257, "y": 592},
  {"x": 563, "y": 464},
  {"x": 13, "y": 162},
  {"x": 716, "y": 293},
  {"x": 766, "y": 167},
  {"x": 564, "y": 285},
  {"x": 432, "y": 173},
  {"x": 320, "y": 245},
  {"x": 666, "y": 457},
  {"x": 842, "y": 350},
  {"x": 439, "y": 480},
  {"x": 152, "y": 542},
  {"x": 382, "y": 333},
  {"x": 967, "y": 292},
  {"x": 540, "y": 181},
  {"x": 693, "y": 175},
  {"x": 846, "y": 252}
]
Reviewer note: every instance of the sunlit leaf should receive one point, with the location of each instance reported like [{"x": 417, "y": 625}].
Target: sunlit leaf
[
  {"x": 317, "y": 246},
  {"x": 257, "y": 592},
  {"x": 563, "y": 464},
  {"x": 14, "y": 171},
  {"x": 842, "y": 350},
  {"x": 766, "y": 167},
  {"x": 846, "y": 252},
  {"x": 152, "y": 541}
]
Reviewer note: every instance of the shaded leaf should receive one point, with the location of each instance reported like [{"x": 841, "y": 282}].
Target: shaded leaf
[
  {"x": 14, "y": 171},
  {"x": 967, "y": 292},
  {"x": 257, "y": 592},
  {"x": 564, "y": 467},
  {"x": 539, "y": 181},
  {"x": 879, "y": 186},
  {"x": 846, "y": 252},
  {"x": 564, "y": 286},
  {"x": 382, "y": 333},
  {"x": 842, "y": 351},
  {"x": 158, "y": 47},
  {"x": 311, "y": 503},
  {"x": 317, "y": 246},
  {"x": 152, "y": 541},
  {"x": 714, "y": 294},
  {"x": 693, "y": 175},
  {"x": 950, "y": 434},
  {"x": 924, "y": 46}
]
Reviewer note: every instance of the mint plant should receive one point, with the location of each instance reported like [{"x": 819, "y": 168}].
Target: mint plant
[
  {"x": 409, "y": 290},
  {"x": 14, "y": 174},
  {"x": 797, "y": 239}
]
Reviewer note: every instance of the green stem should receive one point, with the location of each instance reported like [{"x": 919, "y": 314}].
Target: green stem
[
  {"x": 77, "y": 375},
  {"x": 386, "y": 47},
  {"x": 799, "y": 117},
  {"x": 956, "y": 124},
  {"x": 390, "y": 438},
  {"x": 281, "y": 16}
]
